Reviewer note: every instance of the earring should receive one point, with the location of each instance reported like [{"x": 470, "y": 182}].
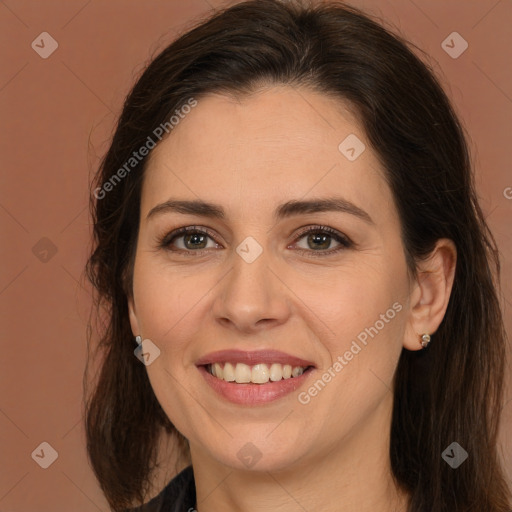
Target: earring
[
  {"x": 425, "y": 340},
  {"x": 138, "y": 339}
]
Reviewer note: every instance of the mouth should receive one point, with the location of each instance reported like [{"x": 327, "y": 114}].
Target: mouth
[
  {"x": 253, "y": 378},
  {"x": 261, "y": 373}
]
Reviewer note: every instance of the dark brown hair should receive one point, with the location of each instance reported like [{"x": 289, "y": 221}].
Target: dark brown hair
[{"x": 452, "y": 391}]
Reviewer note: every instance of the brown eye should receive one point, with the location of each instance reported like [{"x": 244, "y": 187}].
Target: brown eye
[
  {"x": 194, "y": 240},
  {"x": 319, "y": 239},
  {"x": 188, "y": 239}
]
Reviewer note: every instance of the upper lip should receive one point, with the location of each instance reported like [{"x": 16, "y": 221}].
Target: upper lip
[{"x": 251, "y": 358}]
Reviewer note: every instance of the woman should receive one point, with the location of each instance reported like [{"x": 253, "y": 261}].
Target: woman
[{"x": 287, "y": 236}]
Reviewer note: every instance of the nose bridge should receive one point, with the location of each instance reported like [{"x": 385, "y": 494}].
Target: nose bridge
[{"x": 251, "y": 292}]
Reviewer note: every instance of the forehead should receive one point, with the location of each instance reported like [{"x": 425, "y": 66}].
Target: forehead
[{"x": 280, "y": 143}]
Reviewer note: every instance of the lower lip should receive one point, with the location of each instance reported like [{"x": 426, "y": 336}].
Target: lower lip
[{"x": 253, "y": 394}]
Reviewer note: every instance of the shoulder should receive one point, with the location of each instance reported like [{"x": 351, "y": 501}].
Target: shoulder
[{"x": 179, "y": 495}]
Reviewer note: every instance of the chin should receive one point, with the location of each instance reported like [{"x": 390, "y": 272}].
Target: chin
[{"x": 259, "y": 455}]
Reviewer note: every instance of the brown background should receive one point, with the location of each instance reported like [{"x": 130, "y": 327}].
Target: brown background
[{"x": 58, "y": 114}]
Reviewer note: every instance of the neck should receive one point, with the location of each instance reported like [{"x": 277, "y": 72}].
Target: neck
[{"x": 351, "y": 476}]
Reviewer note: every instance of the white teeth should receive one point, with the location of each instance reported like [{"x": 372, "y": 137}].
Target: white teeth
[
  {"x": 276, "y": 372},
  {"x": 242, "y": 373},
  {"x": 229, "y": 372},
  {"x": 217, "y": 371},
  {"x": 257, "y": 374},
  {"x": 260, "y": 374}
]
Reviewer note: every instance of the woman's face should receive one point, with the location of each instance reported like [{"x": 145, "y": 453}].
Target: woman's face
[{"x": 258, "y": 293}]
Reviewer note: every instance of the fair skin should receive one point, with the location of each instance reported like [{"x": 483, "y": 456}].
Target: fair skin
[{"x": 250, "y": 156}]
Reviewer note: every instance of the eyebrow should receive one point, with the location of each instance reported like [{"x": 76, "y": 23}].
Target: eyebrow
[{"x": 285, "y": 210}]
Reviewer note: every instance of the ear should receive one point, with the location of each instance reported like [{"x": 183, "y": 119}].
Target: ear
[
  {"x": 133, "y": 316},
  {"x": 431, "y": 293}
]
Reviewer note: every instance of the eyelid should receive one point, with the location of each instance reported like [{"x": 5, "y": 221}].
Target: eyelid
[
  {"x": 344, "y": 241},
  {"x": 331, "y": 231},
  {"x": 179, "y": 232}
]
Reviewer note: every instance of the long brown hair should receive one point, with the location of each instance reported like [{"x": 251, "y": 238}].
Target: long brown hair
[{"x": 450, "y": 392}]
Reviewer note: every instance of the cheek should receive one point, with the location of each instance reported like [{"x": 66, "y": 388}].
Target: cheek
[
  {"x": 169, "y": 307},
  {"x": 348, "y": 300},
  {"x": 359, "y": 315},
  {"x": 362, "y": 351},
  {"x": 170, "y": 302}
]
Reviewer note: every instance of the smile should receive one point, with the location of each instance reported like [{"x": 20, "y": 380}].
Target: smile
[
  {"x": 257, "y": 374},
  {"x": 253, "y": 378}
]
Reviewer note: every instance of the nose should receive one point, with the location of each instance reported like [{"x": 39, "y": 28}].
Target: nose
[{"x": 252, "y": 297}]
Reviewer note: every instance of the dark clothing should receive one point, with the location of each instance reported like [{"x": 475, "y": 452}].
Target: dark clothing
[{"x": 179, "y": 495}]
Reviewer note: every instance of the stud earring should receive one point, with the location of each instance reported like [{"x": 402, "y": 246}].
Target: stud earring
[
  {"x": 138, "y": 339},
  {"x": 425, "y": 340}
]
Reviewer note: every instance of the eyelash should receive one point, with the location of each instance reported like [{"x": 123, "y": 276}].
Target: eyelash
[{"x": 165, "y": 241}]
